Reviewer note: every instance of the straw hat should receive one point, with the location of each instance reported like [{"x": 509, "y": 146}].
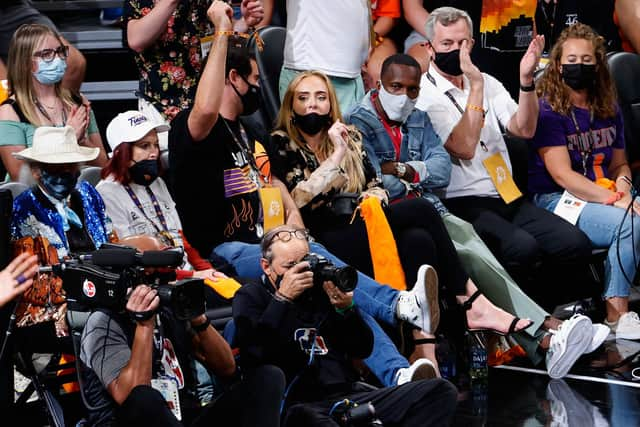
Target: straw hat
[{"x": 56, "y": 145}]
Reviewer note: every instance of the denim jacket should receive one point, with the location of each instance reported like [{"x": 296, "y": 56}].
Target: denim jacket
[{"x": 421, "y": 148}]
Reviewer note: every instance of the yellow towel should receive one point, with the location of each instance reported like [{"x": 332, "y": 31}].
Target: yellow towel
[
  {"x": 384, "y": 252},
  {"x": 226, "y": 288}
]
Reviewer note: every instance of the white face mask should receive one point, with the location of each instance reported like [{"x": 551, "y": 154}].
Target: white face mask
[{"x": 397, "y": 107}]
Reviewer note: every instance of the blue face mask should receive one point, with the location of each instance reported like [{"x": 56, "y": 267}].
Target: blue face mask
[
  {"x": 58, "y": 186},
  {"x": 50, "y": 73}
]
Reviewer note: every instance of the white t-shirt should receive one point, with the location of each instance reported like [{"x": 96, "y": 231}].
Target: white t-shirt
[
  {"x": 127, "y": 218},
  {"x": 327, "y": 35},
  {"x": 468, "y": 177}
]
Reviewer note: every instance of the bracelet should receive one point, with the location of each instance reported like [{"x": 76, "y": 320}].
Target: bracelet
[
  {"x": 201, "y": 327},
  {"x": 625, "y": 179},
  {"x": 225, "y": 33},
  {"x": 476, "y": 108},
  {"x": 279, "y": 297},
  {"x": 614, "y": 198},
  {"x": 529, "y": 88},
  {"x": 347, "y": 308}
]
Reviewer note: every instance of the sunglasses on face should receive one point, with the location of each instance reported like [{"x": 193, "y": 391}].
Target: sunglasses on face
[{"x": 48, "y": 55}]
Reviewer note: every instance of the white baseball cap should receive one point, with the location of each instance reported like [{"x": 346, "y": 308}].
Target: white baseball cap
[
  {"x": 55, "y": 145},
  {"x": 131, "y": 126}
]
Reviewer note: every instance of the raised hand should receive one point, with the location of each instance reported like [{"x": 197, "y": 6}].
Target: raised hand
[
  {"x": 468, "y": 68},
  {"x": 531, "y": 59},
  {"x": 338, "y": 134},
  {"x": 220, "y": 14},
  {"x": 252, "y": 12}
]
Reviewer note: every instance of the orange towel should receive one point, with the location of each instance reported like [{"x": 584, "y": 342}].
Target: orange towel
[{"x": 384, "y": 253}]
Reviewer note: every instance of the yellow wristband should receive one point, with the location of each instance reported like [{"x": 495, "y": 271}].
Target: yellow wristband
[
  {"x": 476, "y": 108},
  {"x": 225, "y": 33}
]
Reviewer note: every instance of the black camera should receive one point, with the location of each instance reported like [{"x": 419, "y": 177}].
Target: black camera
[
  {"x": 103, "y": 278},
  {"x": 345, "y": 278},
  {"x": 350, "y": 414}
]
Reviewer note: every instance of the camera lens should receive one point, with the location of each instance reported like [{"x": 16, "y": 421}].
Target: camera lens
[{"x": 346, "y": 278}]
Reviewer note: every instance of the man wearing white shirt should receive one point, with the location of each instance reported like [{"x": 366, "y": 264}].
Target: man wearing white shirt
[
  {"x": 470, "y": 111},
  {"x": 332, "y": 36}
]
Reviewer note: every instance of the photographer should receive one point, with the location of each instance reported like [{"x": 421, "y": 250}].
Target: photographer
[
  {"x": 312, "y": 331},
  {"x": 141, "y": 361}
]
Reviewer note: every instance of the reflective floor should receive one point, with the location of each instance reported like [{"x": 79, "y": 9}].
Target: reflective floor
[{"x": 599, "y": 391}]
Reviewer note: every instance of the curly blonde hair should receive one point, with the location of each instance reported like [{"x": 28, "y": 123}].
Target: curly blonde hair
[
  {"x": 602, "y": 96},
  {"x": 352, "y": 161}
]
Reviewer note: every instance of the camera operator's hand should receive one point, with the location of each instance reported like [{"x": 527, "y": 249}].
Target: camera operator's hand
[
  {"x": 143, "y": 299},
  {"x": 339, "y": 299},
  {"x": 296, "y": 280}
]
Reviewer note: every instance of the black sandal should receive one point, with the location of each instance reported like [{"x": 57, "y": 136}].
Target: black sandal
[{"x": 467, "y": 306}]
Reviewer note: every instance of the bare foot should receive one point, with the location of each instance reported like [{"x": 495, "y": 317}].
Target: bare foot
[{"x": 484, "y": 315}]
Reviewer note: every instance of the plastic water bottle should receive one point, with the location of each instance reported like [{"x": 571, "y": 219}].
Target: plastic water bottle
[
  {"x": 446, "y": 355},
  {"x": 478, "y": 369}
]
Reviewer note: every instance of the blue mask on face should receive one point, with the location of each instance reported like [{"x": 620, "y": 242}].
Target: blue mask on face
[
  {"x": 50, "y": 73},
  {"x": 58, "y": 186}
]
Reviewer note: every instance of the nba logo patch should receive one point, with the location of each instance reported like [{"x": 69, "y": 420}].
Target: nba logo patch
[{"x": 309, "y": 341}]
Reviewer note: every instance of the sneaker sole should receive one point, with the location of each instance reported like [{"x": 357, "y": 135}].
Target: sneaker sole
[
  {"x": 628, "y": 336},
  {"x": 431, "y": 292},
  {"x": 424, "y": 372},
  {"x": 578, "y": 340}
]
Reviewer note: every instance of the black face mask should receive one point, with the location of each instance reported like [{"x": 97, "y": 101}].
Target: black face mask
[
  {"x": 449, "y": 62},
  {"x": 579, "y": 76},
  {"x": 144, "y": 172},
  {"x": 250, "y": 100},
  {"x": 311, "y": 123}
]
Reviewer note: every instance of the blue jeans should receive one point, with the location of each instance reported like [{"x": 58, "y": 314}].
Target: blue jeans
[
  {"x": 373, "y": 299},
  {"x": 605, "y": 228}
]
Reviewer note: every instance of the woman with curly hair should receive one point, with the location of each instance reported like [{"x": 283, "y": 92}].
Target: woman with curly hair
[{"x": 578, "y": 153}]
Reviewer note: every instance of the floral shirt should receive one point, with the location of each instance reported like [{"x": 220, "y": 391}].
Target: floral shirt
[{"x": 170, "y": 68}]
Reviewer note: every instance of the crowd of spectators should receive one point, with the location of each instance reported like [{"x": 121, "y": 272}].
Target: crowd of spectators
[{"x": 389, "y": 159}]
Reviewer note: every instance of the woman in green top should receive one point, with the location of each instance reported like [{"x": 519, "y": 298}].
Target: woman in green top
[{"x": 36, "y": 65}]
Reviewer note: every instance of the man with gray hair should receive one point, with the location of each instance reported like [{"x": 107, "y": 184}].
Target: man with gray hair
[
  {"x": 470, "y": 111},
  {"x": 311, "y": 329}
]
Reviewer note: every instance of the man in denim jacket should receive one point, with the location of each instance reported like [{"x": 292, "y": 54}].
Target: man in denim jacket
[{"x": 411, "y": 161}]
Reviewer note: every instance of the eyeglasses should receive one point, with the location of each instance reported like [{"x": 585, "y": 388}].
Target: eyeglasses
[
  {"x": 287, "y": 235},
  {"x": 48, "y": 55}
]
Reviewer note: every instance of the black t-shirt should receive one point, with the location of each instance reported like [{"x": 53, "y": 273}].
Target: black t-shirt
[
  {"x": 596, "y": 13},
  {"x": 214, "y": 184}
]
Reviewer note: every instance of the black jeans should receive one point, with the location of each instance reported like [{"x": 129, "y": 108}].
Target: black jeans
[
  {"x": 520, "y": 234},
  {"x": 419, "y": 403},
  {"x": 421, "y": 238},
  {"x": 255, "y": 401}
]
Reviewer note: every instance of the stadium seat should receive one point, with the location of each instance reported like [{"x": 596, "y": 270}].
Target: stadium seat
[
  {"x": 625, "y": 67},
  {"x": 269, "y": 64},
  {"x": 91, "y": 174}
]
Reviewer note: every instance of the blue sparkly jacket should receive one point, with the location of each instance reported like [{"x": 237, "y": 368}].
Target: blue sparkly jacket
[{"x": 35, "y": 216}]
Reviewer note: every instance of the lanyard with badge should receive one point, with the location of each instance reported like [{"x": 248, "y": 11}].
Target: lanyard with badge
[
  {"x": 272, "y": 207},
  {"x": 163, "y": 233},
  {"x": 569, "y": 206},
  {"x": 494, "y": 164},
  {"x": 169, "y": 377},
  {"x": 585, "y": 139}
]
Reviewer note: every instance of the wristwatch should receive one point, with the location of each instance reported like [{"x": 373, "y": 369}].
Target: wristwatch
[{"x": 401, "y": 169}]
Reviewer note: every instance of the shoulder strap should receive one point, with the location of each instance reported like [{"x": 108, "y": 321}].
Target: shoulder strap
[{"x": 17, "y": 109}]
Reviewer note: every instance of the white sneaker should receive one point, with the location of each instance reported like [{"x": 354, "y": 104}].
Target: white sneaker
[
  {"x": 420, "y": 306},
  {"x": 568, "y": 407},
  {"x": 627, "y": 327},
  {"x": 421, "y": 369},
  {"x": 567, "y": 344},
  {"x": 600, "y": 333}
]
